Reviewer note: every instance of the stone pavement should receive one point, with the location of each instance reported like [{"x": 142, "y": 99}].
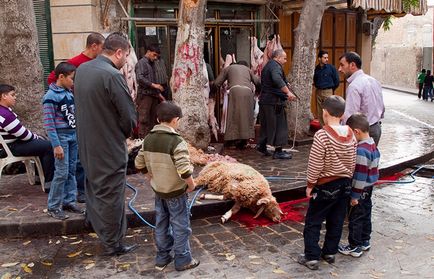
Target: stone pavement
[
  {"x": 408, "y": 139},
  {"x": 402, "y": 247}
]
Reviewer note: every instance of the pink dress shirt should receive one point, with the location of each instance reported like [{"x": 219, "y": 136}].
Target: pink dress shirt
[{"x": 364, "y": 95}]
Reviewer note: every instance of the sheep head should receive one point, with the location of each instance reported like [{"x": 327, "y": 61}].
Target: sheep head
[{"x": 270, "y": 207}]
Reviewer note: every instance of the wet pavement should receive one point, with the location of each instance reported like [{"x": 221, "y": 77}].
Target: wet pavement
[
  {"x": 403, "y": 227},
  {"x": 408, "y": 139},
  {"x": 402, "y": 247}
]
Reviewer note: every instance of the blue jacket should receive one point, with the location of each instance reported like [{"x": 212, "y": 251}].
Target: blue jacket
[
  {"x": 59, "y": 112},
  {"x": 326, "y": 77}
]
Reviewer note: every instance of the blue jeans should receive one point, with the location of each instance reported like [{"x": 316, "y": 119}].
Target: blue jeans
[
  {"x": 359, "y": 220},
  {"x": 64, "y": 186},
  {"x": 329, "y": 202},
  {"x": 172, "y": 230}
]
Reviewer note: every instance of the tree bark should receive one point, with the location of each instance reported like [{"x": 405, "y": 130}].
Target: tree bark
[
  {"x": 20, "y": 65},
  {"x": 188, "y": 80},
  {"x": 303, "y": 65}
]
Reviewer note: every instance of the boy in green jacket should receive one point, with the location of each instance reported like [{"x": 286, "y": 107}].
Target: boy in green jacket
[{"x": 165, "y": 161}]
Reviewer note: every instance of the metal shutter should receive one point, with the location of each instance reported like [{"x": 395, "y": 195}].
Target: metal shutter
[{"x": 43, "y": 25}]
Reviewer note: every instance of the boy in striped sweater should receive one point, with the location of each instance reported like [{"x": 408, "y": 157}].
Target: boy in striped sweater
[
  {"x": 330, "y": 168},
  {"x": 364, "y": 178},
  {"x": 59, "y": 122},
  {"x": 21, "y": 141}
]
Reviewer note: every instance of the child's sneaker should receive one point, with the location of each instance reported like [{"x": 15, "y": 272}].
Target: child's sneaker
[
  {"x": 194, "y": 263},
  {"x": 352, "y": 251},
  {"x": 328, "y": 258},
  {"x": 162, "y": 266},
  {"x": 366, "y": 245},
  {"x": 312, "y": 264},
  {"x": 57, "y": 214}
]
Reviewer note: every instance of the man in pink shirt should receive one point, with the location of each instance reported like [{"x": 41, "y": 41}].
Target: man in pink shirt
[{"x": 364, "y": 94}]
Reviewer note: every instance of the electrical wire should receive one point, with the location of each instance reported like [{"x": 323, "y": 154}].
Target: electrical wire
[
  {"x": 131, "y": 202},
  {"x": 411, "y": 180}
]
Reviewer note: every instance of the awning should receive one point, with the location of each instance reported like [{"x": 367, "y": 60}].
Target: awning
[
  {"x": 291, "y": 6},
  {"x": 390, "y": 6}
]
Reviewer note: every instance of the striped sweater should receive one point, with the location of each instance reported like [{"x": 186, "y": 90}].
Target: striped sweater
[
  {"x": 11, "y": 128},
  {"x": 59, "y": 112},
  {"x": 332, "y": 156},
  {"x": 165, "y": 156},
  {"x": 366, "y": 171}
]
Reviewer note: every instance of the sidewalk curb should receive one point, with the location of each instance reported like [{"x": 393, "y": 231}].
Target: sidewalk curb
[
  {"x": 27, "y": 226},
  {"x": 400, "y": 89}
]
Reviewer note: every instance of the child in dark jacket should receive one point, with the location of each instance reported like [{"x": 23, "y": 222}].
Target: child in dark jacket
[
  {"x": 59, "y": 123},
  {"x": 165, "y": 160},
  {"x": 364, "y": 178}
]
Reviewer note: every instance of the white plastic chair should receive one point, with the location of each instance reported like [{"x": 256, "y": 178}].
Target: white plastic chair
[{"x": 27, "y": 160}]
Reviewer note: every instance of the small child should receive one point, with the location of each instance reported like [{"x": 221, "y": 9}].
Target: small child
[
  {"x": 165, "y": 160},
  {"x": 330, "y": 168},
  {"x": 59, "y": 122},
  {"x": 364, "y": 178}
]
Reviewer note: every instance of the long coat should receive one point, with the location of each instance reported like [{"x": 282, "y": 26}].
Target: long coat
[
  {"x": 105, "y": 119},
  {"x": 240, "y": 118}
]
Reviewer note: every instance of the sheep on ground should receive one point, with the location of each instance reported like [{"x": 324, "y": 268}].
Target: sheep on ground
[{"x": 243, "y": 184}]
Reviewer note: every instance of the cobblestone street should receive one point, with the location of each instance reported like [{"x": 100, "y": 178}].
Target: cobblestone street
[{"x": 402, "y": 247}]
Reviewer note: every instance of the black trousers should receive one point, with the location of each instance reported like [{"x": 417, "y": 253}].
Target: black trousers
[
  {"x": 274, "y": 127},
  {"x": 359, "y": 219},
  {"x": 420, "y": 90},
  {"x": 37, "y": 147},
  {"x": 329, "y": 203}
]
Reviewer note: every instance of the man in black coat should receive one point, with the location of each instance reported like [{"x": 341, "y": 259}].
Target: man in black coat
[{"x": 272, "y": 103}]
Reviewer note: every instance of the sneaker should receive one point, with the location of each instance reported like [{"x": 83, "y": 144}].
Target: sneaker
[
  {"x": 73, "y": 208},
  {"x": 366, "y": 245},
  {"x": 328, "y": 258},
  {"x": 312, "y": 264},
  {"x": 352, "y": 251},
  {"x": 81, "y": 198},
  {"x": 282, "y": 155},
  {"x": 161, "y": 267},
  {"x": 263, "y": 150},
  {"x": 194, "y": 263},
  {"x": 57, "y": 214}
]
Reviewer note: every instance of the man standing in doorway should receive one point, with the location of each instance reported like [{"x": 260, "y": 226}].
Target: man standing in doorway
[
  {"x": 94, "y": 43},
  {"x": 272, "y": 104},
  {"x": 105, "y": 119},
  {"x": 326, "y": 80},
  {"x": 149, "y": 93},
  {"x": 364, "y": 94}
]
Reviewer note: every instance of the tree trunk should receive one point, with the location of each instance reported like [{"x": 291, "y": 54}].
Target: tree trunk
[
  {"x": 303, "y": 65},
  {"x": 20, "y": 65},
  {"x": 188, "y": 80}
]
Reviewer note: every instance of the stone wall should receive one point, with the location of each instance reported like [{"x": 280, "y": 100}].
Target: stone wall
[
  {"x": 397, "y": 66},
  {"x": 397, "y": 55},
  {"x": 73, "y": 20}
]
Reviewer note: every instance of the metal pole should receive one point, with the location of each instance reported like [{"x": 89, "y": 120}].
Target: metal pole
[{"x": 210, "y": 20}]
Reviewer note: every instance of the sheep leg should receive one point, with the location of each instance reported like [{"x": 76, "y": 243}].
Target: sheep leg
[
  {"x": 211, "y": 197},
  {"x": 234, "y": 210}
]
